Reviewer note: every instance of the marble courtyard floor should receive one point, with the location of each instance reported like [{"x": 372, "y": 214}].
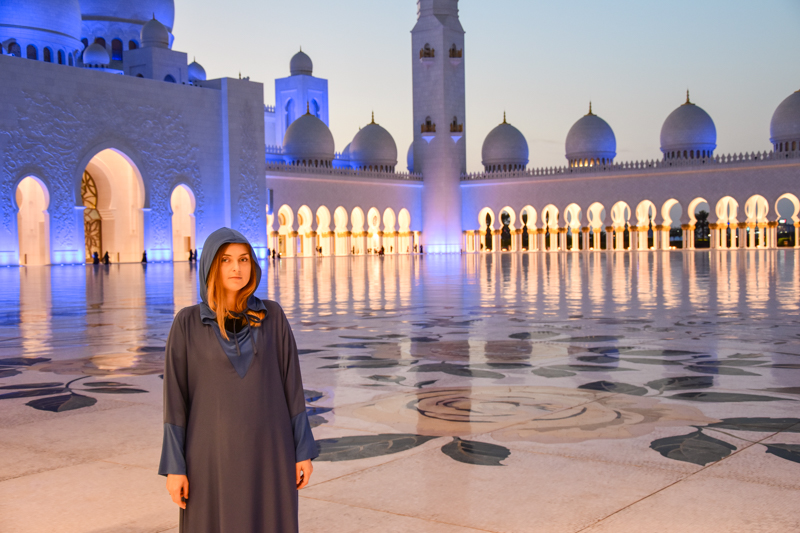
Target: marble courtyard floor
[{"x": 645, "y": 392}]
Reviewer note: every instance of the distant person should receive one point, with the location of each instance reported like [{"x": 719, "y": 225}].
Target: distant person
[
  {"x": 106, "y": 259},
  {"x": 95, "y": 258},
  {"x": 191, "y": 256},
  {"x": 195, "y": 255},
  {"x": 144, "y": 257},
  {"x": 382, "y": 251},
  {"x": 421, "y": 249},
  {"x": 273, "y": 253},
  {"x": 236, "y": 430}
]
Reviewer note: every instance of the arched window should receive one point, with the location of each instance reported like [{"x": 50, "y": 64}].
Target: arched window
[
  {"x": 1, "y": 49},
  {"x": 288, "y": 113},
  {"x": 426, "y": 51},
  {"x": 47, "y": 55},
  {"x": 85, "y": 42},
  {"x": 315, "y": 108},
  {"x": 70, "y": 61},
  {"x": 133, "y": 45},
  {"x": 169, "y": 78},
  {"x": 139, "y": 75},
  {"x": 116, "y": 50},
  {"x": 101, "y": 41},
  {"x": 14, "y": 50},
  {"x": 61, "y": 60},
  {"x": 794, "y": 145},
  {"x": 32, "y": 53}
]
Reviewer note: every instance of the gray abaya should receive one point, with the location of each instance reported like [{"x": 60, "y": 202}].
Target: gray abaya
[{"x": 234, "y": 427}]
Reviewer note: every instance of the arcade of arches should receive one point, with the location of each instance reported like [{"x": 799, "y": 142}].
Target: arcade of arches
[
  {"x": 749, "y": 225},
  {"x": 112, "y": 197},
  {"x": 303, "y": 233}
]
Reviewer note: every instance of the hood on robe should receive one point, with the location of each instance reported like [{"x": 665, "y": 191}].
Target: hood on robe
[
  {"x": 213, "y": 243},
  {"x": 240, "y": 347}
]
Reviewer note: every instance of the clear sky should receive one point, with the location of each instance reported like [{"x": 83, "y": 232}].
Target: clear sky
[{"x": 539, "y": 60}]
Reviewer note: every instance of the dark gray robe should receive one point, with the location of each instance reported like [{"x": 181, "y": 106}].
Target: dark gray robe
[{"x": 237, "y": 438}]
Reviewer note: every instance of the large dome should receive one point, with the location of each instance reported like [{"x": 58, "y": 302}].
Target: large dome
[
  {"x": 688, "y": 133},
  {"x": 590, "y": 142},
  {"x": 373, "y": 148},
  {"x": 505, "y": 148},
  {"x": 53, "y": 23},
  {"x": 785, "y": 126},
  {"x": 308, "y": 141},
  {"x": 301, "y": 64},
  {"x": 128, "y": 11}
]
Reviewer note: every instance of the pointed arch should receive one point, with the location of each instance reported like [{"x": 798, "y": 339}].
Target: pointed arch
[
  {"x": 32, "y": 200},
  {"x": 182, "y": 205}
]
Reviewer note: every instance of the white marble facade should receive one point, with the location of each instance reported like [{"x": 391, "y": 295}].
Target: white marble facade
[{"x": 172, "y": 156}]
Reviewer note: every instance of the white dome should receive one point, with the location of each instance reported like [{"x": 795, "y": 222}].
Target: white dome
[
  {"x": 591, "y": 138},
  {"x": 128, "y": 11},
  {"x": 53, "y": 23},
  {"x": 785, "y": 125},
  {"x": 96, "y": 55},
  {"x": 374, "y": 147},
  {"x": 345, "y": 153},
  {"x": 155, "y": 34},
  {"x": 308, "y": 140},
  {"x": 410, "y": 158},
  {"x": 505, "y": 148},
  {"x": 688, "y": 129},
  {"x": 301, "y": 64},
  {"x": 196, "y": 72}
]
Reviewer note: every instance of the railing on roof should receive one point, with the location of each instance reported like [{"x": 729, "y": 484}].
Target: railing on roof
[
  {"x": 274, "y": 149},
  {"x": 343, "y": 172},
  {"x": 753, "y": 157},
  {"x": 269, "y": 109}
]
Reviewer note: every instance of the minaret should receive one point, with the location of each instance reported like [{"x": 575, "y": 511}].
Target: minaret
[{"x": 437, "y": 45}]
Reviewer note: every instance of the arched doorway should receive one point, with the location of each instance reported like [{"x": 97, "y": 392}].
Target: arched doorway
[
  {"x": 112, "y": 191},
  {"x": 324, "y": 235},
  {"x": 33, "y": 222},
  {"x": 183, "y": 204}
]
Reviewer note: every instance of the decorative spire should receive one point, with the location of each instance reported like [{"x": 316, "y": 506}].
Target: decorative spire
[
  {"x": 301, "y": 47},
  {"x": 590, "y": 109},
  {"x": 308, "y": 108},
  {"x": 504, "y": 118},
  {"x": 373, "y": 118},
  {"x": 688, "y": 102}
]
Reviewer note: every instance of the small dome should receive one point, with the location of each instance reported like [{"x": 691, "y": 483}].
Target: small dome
[
  {"x": 505, "y": 148},
  {"x": 301, "y": 64},
  {"x": 308, "y": 141},
  {"x": 96, "y": 55},
  {"x": 410, "y": 158},
  {"x": 688, "y": 133},
  {"x": 196, "y": 72},
  {"x": 154, "y": 34},
  {"x": 373, "y": 148},
  {"x": 137, "y": 12},
  {"x": 785, "y": 125},
  {"x": 590, "y": 141}
]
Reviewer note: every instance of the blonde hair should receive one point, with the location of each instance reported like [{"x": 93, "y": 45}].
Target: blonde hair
[{"x": 216, "y": 294}]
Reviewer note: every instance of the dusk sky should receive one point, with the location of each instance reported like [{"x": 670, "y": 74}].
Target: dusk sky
[{"x": 540, "y": 61}]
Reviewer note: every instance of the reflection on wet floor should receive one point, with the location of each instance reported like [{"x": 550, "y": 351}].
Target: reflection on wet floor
[{"x": 681, "y": 359}]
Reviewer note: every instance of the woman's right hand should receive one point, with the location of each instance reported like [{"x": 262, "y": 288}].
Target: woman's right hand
[{"x": 178, "y": 487}]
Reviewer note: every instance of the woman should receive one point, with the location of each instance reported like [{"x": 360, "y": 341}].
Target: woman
[{"x": 235, "y": 426}]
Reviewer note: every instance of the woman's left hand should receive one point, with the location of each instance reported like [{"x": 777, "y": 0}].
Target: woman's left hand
[{"x": 304, "y": 469}]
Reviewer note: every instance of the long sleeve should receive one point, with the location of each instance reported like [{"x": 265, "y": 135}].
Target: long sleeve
[
  {"x": 176, "y": 401},
  {"x": 305, "y": 445}
]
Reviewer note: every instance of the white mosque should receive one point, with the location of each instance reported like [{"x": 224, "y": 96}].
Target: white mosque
[{"x": 113, "y": 142}]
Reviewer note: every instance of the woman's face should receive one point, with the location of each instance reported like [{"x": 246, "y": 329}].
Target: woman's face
[{"x": 235, "y": 267}]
